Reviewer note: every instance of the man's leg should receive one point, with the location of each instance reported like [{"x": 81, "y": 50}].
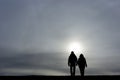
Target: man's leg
[
  {"x": 71, "y": 70},
  {"x": 74, "y": 68}
]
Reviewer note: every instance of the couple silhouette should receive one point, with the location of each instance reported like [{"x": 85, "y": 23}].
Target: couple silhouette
[{"x": 73, "y": 62}]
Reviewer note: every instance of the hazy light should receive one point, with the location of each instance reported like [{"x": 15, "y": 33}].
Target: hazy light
[{"x": 76, "y": 47}]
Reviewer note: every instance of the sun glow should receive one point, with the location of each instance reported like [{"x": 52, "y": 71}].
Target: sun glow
[{"x": 76, "y": 47}]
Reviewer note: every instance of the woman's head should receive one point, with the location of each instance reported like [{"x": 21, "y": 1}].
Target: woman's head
[{"x": 81, "y": 56}]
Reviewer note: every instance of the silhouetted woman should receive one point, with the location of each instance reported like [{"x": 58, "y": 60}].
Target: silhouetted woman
[
  {"x": 72, "y": 62},
  {"x": 82, "y": 64}
]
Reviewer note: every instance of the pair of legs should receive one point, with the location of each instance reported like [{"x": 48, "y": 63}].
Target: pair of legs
[
  {"x": 82, "y": 69},
  {"x": 72, "y": 70}
]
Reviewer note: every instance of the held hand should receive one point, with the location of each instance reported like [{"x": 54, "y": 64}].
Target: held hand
[
  {"x": 68, "y": 64},
  {"x": 76, "y": 64}
]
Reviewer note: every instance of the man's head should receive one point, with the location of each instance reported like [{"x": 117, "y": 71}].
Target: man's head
[{"x": 72, "y": 52}]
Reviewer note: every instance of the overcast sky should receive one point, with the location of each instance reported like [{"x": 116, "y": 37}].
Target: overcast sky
[{"x": 34, "y": 35}]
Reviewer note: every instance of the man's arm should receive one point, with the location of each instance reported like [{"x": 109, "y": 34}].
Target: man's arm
[
  {"x": 76, "y": 61},
  {"x": 68, "y": 62},
  {"x": 85, "y": 63}
]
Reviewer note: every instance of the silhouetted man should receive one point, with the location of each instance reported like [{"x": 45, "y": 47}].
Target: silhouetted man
[
  {"x": 82, "y": 64},
  {"x": 72, "y": 62}
]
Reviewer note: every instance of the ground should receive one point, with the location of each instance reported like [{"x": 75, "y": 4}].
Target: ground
[{"x": 35, "y": 77}]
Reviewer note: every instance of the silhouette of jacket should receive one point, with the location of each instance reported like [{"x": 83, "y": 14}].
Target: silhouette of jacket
[
  {"x": 82, "y": 64},
  {"x": 72, "y": 60}
]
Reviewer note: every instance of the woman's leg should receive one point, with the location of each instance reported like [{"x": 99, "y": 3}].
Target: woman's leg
[{"x": 82, "y": 71}]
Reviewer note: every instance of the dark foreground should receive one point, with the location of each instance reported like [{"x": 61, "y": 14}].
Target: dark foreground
[{"x": 117, "y": 77}]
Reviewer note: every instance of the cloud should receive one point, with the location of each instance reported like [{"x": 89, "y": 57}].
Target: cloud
[{"x": 34, "y": 34}]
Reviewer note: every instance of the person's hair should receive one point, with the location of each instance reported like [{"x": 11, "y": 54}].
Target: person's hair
[
  {"x": 81, "y": 56},
  {"x": 72, "y": 52}
]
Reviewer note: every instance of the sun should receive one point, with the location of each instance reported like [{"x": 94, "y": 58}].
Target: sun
[{"x": 76, "y": 47}]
